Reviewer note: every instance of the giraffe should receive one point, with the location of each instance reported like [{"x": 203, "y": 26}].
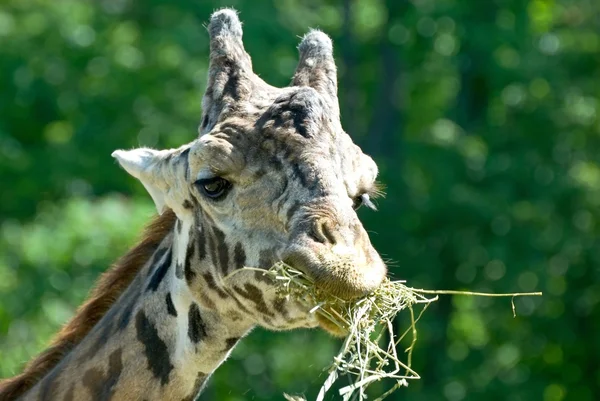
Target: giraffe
[{"x": 271, "y": 177}]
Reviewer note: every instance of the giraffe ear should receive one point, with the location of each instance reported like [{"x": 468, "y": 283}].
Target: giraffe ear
[{"x": 145, "y": 164}]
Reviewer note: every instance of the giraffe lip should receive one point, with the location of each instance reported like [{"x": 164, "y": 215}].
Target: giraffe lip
[
  {"x": 331, "y": 327},
  {"x": 295, "y": 262}
]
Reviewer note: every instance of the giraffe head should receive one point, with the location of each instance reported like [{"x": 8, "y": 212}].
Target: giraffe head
[{"x": 272, "y": 176}]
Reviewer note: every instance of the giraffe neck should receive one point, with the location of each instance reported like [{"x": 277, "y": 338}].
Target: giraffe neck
[{"x": 158, "y": 341}]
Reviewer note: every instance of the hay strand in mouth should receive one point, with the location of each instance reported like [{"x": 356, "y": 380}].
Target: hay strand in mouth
[{"x": 369, "y": 351}]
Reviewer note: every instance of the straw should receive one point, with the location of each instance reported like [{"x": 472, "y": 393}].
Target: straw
[{"x": 369, "y": 352}]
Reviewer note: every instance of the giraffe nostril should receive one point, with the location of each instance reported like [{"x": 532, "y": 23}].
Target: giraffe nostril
[
  {"x": 328, "y": 233},
  {"x": 322, "y": 233},
  {"x": 316, "y": 233}
]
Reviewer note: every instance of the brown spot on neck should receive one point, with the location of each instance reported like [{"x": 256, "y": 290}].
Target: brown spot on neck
[
  {"x": 101, "y": 386},
  {"x": 198, "y": 384},
  {"x": 254, "y": 294},
  {"x": 109, "y": 287}
]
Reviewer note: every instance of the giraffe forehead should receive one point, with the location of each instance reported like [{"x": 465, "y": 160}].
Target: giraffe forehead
[
  {"x": 301, "y": 112},
  {"x": 217, "y": 154},
  {"x": 284, "y": 129}
]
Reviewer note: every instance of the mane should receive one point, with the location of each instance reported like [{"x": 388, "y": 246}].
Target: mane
[{"x": 109, "y": 287}]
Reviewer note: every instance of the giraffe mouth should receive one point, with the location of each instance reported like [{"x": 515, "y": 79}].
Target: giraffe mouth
[{"x": 330, "y": 327}]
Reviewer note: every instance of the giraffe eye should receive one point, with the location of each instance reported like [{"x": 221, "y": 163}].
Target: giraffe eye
[
  {"x": 357, "y": 202},
  {"x": 214, "y": 188}
]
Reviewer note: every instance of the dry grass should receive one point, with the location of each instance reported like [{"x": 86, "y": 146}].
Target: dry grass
[{"x": 369, "y": 352}]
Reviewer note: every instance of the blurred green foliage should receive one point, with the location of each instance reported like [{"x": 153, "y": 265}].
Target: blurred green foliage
[{"x": 483, "y": 117}]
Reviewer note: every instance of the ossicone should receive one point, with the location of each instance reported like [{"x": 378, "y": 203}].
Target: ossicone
[
  {"x": 316, "y": 67},
  {"x": 230, "y": 76}
]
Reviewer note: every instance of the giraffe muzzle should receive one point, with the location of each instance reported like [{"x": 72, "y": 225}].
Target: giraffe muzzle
[{"x": 345, "y": 270}]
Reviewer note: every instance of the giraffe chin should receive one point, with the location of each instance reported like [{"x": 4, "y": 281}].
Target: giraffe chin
[{"x": 330, "y": 327}]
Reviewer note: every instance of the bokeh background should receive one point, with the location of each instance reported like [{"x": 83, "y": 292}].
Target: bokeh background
[{"x": 482, "y": 115}]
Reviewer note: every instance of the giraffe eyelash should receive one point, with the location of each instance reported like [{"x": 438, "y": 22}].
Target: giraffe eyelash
[
  {"x": 365, "y": 199},
  {"x": 377, "y": 190}
]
